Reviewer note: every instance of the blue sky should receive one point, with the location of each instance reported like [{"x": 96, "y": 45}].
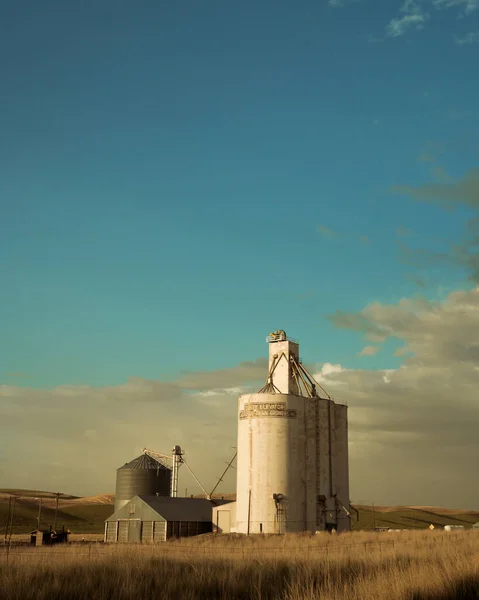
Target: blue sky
[
  {"x": 169, "y": 169},
  {"x": 178, "y": 179}
]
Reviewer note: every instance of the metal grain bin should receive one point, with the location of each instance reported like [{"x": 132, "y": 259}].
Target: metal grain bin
[{"x": 142, "y": 476}]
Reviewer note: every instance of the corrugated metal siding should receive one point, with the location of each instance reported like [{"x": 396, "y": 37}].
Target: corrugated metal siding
[
  {"x": 154, "y": 531},
  {"x": 111, "y": 531},
  {"x": 136, "y": 482},
  {"x": 147, "y": 532},
  {"x": 122, "y": 531},
  {"x": 159, "y": 531}
]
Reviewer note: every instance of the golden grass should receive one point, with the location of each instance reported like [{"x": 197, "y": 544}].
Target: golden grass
[{"x": 408, "y": 565}]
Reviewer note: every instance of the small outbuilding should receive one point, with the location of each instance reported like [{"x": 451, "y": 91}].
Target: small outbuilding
[
  {"x": 224, "y": 518},
  {"x": 476, "y": 526},
  {"x": 36, "y": 537},
  {"x": 40, "y": 537},
  {"x": 150, "y": 519}
]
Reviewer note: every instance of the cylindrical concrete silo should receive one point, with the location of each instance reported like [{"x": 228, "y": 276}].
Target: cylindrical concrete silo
[
  {"x": 342, "y": 466},
  {"x": 143, "y": 476},
  {"x": 275, "y": 491},
  {"x": 276, "y": 476},
  {"x": 292, "y": 466},
  {"x": 326, "y": 463}
]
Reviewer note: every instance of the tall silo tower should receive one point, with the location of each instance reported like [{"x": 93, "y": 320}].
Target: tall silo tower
[
  {"x": 144, "y": 475},
  {"x": 292, "y": 469}
]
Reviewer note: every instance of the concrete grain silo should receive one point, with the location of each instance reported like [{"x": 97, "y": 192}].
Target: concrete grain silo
[
  {"x": 292, "y": 466},
  {"x": 143, "y": 476}
]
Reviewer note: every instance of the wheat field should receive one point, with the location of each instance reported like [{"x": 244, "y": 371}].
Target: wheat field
[{"x": 407, "y": 565}]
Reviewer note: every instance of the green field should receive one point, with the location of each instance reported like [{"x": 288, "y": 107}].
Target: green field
[{"x": 88, "y": 516}]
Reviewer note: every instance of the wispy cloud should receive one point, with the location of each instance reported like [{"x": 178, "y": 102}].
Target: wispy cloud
[
  {"x": 468, "y": 38},
  {"x": 463, "y": 191},
  {"x": 369, "y": 350},
  {"x": 409, "y": 408},
  {"x": 467, "y": 6},
  {"x": 413, "y": 19},
  {"x": 431, "y": 152},
  {"x": 398, "y": 27},
  {"x": 403, "y": 232},
  {"x": 327, "y": 232},
  {"x": 449, "y": 194},
  {"x": 414, "y": 15}
]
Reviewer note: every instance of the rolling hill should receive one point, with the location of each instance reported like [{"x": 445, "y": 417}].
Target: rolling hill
[
  {"x": 87, "y": 515},
  {"x": 80, "y": 515}
]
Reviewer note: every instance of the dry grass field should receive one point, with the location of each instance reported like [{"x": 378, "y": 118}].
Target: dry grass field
[{"x": 408, "y": 565}]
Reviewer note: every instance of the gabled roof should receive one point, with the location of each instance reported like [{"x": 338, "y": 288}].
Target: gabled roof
[
  {"x": 165, "y": 508},
  {"x": 39, "y": 531},
  {"x": 182, "y": 509}
]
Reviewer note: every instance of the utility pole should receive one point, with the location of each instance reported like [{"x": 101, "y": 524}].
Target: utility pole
[
  {"x": 7, "y": 524},
  {"x": 39, "y": 512},
  {"x": 11, "y": 516},
  {"x": 374, "y": 517},
  {"x": 56, "y": 512}
]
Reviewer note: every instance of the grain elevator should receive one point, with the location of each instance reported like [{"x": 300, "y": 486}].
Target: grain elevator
[{"x": 292, "y": 465}]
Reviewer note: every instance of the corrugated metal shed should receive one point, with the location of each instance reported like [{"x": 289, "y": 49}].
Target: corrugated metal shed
[{"x": 150, "y": 519}]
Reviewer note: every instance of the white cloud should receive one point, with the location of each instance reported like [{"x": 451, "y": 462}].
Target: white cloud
[
  {"x": 413, "y": 430},
  {"x": 105, "y": 427},
  {"x": 369, "y": 351},
  {"x": 468, "y": 38},
  {"x": 421, "y": 418},
  {"x": 413, "y": 19},
  {"x": 328, "y": 368},
  {"x": 221, "y": 392},
  {"x": 399, "y": 26},
  {"x": 323, "y": 375},
  {"x": 414, "y": 16},
  {"x": 468, "y": 6}
]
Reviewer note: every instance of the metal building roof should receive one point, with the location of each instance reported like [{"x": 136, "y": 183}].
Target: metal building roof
[
  {"x": 181, "y": 509},
  {"x": 144, "y": 461},
  {"x": 170, "y": 509}
]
